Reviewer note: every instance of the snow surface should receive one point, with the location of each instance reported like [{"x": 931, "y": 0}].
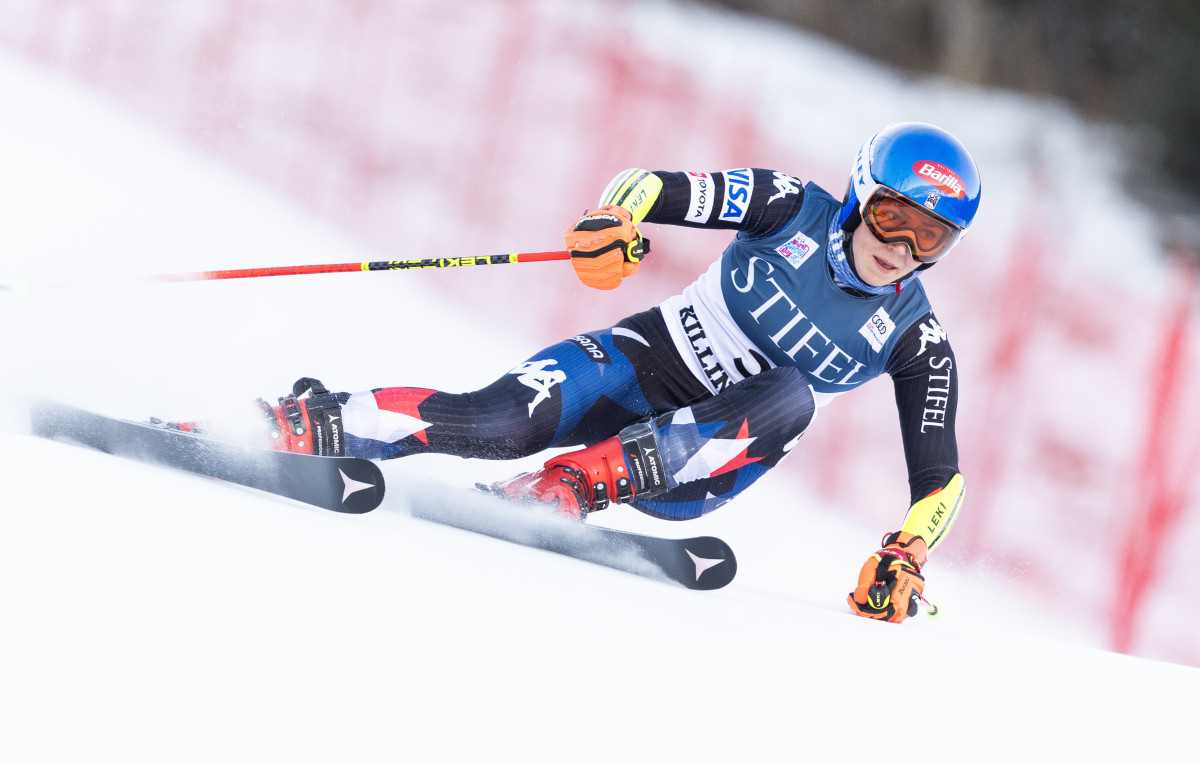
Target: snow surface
[{"x": 147, "y": 614}]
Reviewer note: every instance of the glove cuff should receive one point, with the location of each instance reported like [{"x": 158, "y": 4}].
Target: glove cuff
[{"x": 912, "y": 545}]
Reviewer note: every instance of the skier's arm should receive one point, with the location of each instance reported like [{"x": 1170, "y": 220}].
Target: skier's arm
[
  {"x": 756, "y": 202},
  {"x": 926, "y": 382},
  {"x": 606, "y": 246},
  {"x": 923, "y": 371}
]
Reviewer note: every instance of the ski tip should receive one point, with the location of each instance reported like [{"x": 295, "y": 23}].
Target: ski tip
[
  {"x": 362, "y": 486},
  {"x": 712, "y": 561}
]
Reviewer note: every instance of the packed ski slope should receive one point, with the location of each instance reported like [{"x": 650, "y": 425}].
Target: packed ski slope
[{"x": 148, "y": 614}]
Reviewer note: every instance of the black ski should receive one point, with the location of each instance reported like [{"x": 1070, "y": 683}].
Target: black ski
[
  {"x": 346, "y": 485},
  {"x": 698, "y": 563}
]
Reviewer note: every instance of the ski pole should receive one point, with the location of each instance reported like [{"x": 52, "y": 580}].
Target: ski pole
[
  {"x": 931, "y": 610},
  {"x": 346, "y": 267},
  {"x": 396, "y": 264}
]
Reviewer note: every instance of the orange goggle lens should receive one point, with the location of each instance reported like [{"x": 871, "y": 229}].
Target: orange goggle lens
[{"x": 892, "y": 218}]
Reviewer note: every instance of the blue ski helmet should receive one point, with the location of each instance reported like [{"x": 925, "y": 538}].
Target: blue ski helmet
[{"x": 915, "y": 183}]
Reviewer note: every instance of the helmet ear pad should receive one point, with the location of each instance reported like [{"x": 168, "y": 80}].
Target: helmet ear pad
[{"x": 852, "y": 221}]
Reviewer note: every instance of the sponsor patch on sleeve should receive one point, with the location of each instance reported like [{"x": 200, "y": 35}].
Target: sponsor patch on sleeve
[
  {"x": 878, "y": 329},
  {"x": 700, "y": 206},
  {"x": 739, "y": 185}
]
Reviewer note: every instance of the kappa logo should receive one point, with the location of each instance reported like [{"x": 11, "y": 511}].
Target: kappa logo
[
  {"x": 534, "y": 374},
  {"x": 786, "y": 185},
  {"x": 931, "y": 333}
]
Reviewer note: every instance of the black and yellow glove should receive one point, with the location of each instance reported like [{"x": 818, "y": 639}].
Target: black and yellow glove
[
  {"x": 890, "y": 584},
  {"x": 605, "y": 246}
]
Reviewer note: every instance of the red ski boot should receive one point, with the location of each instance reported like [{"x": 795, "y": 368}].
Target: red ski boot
[
  {"x": 581, "y": 482},
  {"x": 311, "y": 425}
]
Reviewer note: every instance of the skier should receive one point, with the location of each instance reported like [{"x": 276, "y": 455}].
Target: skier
[{"x": 682, "y": 407}]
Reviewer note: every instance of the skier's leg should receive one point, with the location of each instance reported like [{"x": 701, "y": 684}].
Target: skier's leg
[
  {"x": 715, "y": 449},
  {"x": 578, "y": 391},
  {"x": 683, "y": 463}
]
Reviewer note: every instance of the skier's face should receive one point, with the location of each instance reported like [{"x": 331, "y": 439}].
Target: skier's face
[{"x": 879, "y": 263}]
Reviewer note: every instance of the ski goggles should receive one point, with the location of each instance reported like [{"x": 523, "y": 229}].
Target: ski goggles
[{"x": 892, "y": 218}]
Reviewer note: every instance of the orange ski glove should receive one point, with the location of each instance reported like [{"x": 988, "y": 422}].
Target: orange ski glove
[
  {"x": 890, "y": 583},
  {"x": 605, "y": 247}
]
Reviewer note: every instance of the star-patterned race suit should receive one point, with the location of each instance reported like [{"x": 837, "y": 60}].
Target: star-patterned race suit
[{"x": 724, "y": 377}]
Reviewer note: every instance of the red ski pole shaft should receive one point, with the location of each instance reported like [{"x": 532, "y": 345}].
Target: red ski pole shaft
[{"x": 347, "y": 267}]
